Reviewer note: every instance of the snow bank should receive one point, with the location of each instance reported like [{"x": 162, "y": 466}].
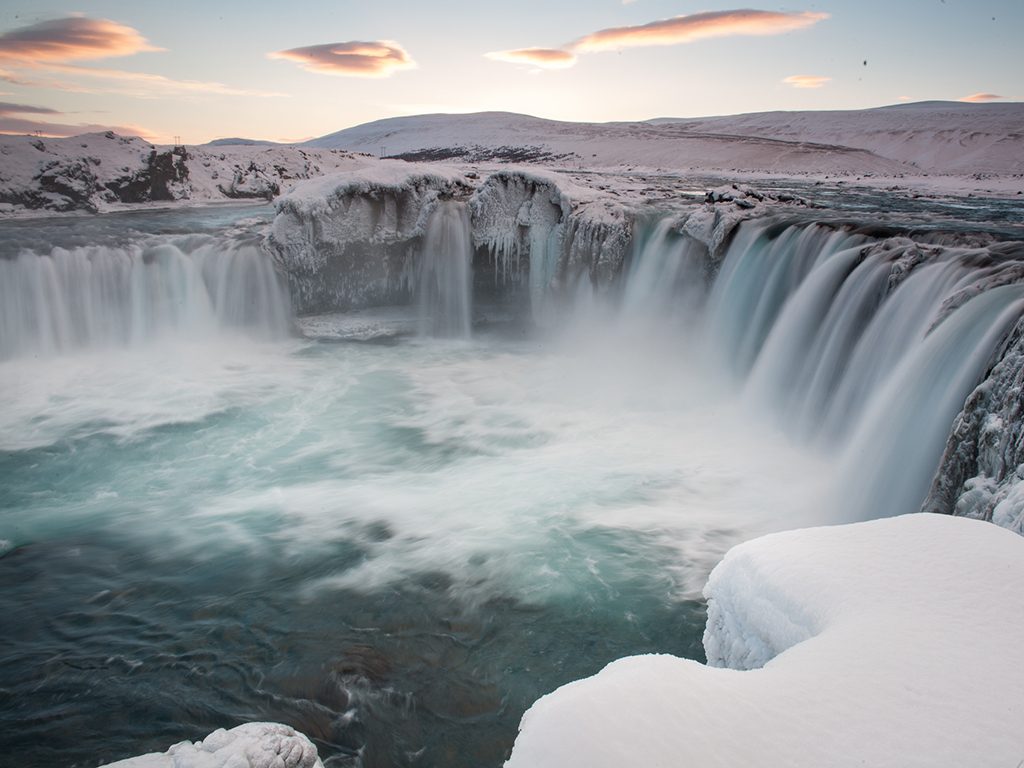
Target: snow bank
[
  {"x": 887, "y": 643},
  {"x": 253, "y": 745}
]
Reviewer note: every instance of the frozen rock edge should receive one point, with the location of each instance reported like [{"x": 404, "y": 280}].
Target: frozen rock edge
[
  {"x": 253, "y": 745},
  {"x": 352, "y": 240},
  {"x": 886, "y": 643}
]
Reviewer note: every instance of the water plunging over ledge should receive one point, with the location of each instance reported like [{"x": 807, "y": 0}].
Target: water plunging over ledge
[
  {"x": 397, "y": 545},
  {"x": 444, "y": 279}
]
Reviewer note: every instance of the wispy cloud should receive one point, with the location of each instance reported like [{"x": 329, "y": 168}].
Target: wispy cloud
[
  {"x": 145, "y": 85},
  {"x": 7, "y": 108},
  {"x": 979, "y": 98},
  {"x": 806, "y": 81},
  {"x": 548, "y": 58},
  {"x": 673, "y": 31},
  {"x": 76, "y": 38},
  {"x": 697, "y": 26},
  {"x": 19, "y": 119},
  {"x": 375, "y": 58},
  {"x": 30, "y": 54}
]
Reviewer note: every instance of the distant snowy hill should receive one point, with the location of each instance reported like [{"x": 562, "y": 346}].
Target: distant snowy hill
[
  {"x": 237, "y": 141},
  {"x": 927, "y": 137},
  {"x": 102, "y": 171}
]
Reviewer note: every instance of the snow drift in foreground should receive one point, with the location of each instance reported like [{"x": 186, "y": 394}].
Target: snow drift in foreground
[
  {"x": 887, "y": 643},
  {"x": 253, "y": 745}
]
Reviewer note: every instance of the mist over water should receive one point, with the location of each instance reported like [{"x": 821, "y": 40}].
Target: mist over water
[{"x": 397, "y": 543}]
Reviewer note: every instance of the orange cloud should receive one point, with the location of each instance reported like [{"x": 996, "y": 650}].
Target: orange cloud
[
  {"x": 806, "y": 81},
  {"x": 52, "y": 46},
  {"x": 980, "y": 98},
  {"x": 674, "y": 31},
  {"x": 548, "y": 58},
  {"x": 75, "y": 38},
  {"x": 697, "y": 26},
  {"x": 376, "y": 58}
]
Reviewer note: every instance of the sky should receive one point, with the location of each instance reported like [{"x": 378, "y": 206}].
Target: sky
[{"x": 194, "y": 71}]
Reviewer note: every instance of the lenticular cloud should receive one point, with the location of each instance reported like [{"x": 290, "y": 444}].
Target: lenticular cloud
[{"x": 375, "y": 58}]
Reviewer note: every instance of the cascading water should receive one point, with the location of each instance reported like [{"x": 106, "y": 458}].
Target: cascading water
[
  {"x": 444, "y": 282},
  {"x": 848, "y": 342},
  {"x": 665, "y": 285},
  {"x": 102, "y": 296}
]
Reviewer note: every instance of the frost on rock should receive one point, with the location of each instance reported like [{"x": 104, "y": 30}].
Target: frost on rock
[
  {"x": 541, "y": 226},
  {"x": 103, "y": 171},
  {"x": 982, "y": 470},
  {"x": 253, "y": 745},
  {"x": 886, "y": 643},
  {"x": 349, "y": 240}
]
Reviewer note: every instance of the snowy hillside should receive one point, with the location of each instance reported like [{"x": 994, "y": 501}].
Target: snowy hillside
[
  {"x": 100, "y": 171},
  {"x": 929, "y": 137}
]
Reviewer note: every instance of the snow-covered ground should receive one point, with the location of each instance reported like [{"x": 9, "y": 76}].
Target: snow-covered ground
[
  {"x": 937, "y": 147},
  {"x": 888, "y": 643},
  {"x": 941, "y": 146},
  {"x": 104, "y": 171}
]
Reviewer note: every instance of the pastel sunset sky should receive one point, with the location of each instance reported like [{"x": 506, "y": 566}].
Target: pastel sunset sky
[{"x": 290, "y": 71}]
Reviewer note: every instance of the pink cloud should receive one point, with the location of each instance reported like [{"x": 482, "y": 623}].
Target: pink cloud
[
  {"x": 548, "y": 58},
  {"x": 697, "y": 26},
  {"x": 806, "y": 81},
  {"x": 980, "y": 98},
  {"x": 674, "y": 31},
  {"x": 17, "y": 119},
  {"x": 376, "y": 58},
  {"x": 75, "y": 38}
]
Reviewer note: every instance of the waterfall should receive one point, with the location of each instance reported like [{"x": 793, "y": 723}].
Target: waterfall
[
  {"x": 444, "y": 282},
  {"x": 101, "y": 296},
  {"x": 665, "y": 284},
  {"x": 862, "y": 348}
]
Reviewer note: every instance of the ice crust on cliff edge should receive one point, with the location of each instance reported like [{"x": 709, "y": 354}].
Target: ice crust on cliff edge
[
  {"x": 886, "y": 643},
  {"x": 252, "y": 745}
]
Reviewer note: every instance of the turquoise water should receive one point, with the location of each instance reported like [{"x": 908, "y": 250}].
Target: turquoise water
[{"x": 393, "y": 544}]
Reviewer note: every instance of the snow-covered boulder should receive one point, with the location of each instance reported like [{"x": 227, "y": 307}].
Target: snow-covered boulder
[
  {"x": 253, "y": 745},
  {"x": 349, "y": 239},
  {"x": 886, "y": 643}
]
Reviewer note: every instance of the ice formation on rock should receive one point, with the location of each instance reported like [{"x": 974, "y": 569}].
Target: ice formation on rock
[
  {"x": 982, "y": 469},
  {"x": 253, "y": 745},
  {"x": 881, "y": 643},
  {"x": 350, "y": 240}
]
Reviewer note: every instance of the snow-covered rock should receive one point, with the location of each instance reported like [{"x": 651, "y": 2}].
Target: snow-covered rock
[
  {"x": 253, "y": 745},
  {"x": 103, "y": 171},
  {"x": 349, "y": 240},
  {"x": 982, "y": 470},
  {"x": 555, "y": 230},
  {"x": 887, "y": 643}
]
